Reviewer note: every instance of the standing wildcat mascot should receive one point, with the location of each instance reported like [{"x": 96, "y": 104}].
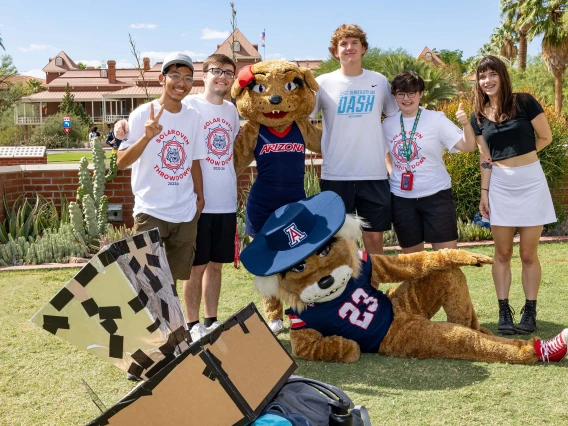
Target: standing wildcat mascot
[
  {"x": 276, "y": 97},
  {"x": 306, "y": 256}
]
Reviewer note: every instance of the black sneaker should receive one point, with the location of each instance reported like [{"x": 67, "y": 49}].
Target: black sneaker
[
  {"x": 527, "y": 325},
  {"x": 506, "y": 323}
]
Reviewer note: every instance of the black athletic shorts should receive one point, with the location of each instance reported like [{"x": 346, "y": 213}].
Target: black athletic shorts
[
  {"x": 429, "y": 219},
  {"x": 369, "y": 198},
  {"x": 215, "y": 238}
]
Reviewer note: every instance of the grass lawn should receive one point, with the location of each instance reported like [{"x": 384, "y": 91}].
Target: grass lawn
[
  {"x": 73, "y": 157},
  {"x": 40, "y": 380}
]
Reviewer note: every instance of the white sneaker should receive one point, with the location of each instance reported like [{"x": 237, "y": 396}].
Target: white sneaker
[
  {"x": 276, "y": 326},
  {"x": 197, "y": 332},
  {"x": 213, "y": 326}
]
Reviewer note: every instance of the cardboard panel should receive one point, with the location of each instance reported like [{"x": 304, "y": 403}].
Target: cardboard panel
[
  {"x": 122, "y": 307},
  {"x": 226, "y": 378}
]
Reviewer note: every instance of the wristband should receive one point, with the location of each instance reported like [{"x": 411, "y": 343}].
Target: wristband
[{"x": 485, "y": 189}]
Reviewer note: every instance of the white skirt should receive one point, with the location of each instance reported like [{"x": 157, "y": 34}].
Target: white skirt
[{"x": 519, "y": 196}]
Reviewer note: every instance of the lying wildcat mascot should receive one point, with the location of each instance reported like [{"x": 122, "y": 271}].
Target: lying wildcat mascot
[{"x": 306, "y": 256}]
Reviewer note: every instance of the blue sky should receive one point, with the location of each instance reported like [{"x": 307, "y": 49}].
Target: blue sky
[{"x": 34, "y": 31}]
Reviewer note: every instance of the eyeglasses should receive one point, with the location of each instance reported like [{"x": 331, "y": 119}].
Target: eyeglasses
[
  {"x": 218, "y": 72},
  {"x": 401, "y": 95},
  {"x": 176, "y": 78}
]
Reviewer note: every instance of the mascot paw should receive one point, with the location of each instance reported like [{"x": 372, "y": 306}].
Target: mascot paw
[
  {"x": 482, "y": 259},
  {"x": 276, "y": 326}
]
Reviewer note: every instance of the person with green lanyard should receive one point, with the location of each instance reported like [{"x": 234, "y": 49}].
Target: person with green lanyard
[{"x": 423, "y": 207}]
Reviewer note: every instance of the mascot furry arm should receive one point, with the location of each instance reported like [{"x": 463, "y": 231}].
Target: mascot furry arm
[
  {"x": 274, "y": 94},
  {"x": 306, "y": 257}
]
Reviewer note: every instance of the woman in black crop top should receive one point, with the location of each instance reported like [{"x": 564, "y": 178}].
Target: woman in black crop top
[{"x": 510, "y": 129}]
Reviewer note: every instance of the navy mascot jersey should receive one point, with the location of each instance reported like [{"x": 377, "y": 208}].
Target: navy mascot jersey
[
  {"x": 280, "y": 163},
  {"x": 362, "y": 313}
]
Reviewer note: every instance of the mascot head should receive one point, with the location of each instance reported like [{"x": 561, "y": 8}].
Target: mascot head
[
  {"x": 275, "y": 93},
  {"x": 306, "y": 251}
]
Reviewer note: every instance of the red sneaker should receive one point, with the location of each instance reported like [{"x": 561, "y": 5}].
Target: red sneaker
[{"x": 553, "y": 349}]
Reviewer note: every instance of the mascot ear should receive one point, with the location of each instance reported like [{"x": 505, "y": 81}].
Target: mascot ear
[
  {"x": 309, "y": 79},
  {"x": 244, "y": 77},
  {"x": 351, "y": 227},
  {"x": 267, "y": 286}
]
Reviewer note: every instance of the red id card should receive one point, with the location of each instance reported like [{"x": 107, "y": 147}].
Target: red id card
[{"x": 406, "y": 181}]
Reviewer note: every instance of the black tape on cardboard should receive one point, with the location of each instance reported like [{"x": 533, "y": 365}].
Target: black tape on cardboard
[
  {"x": 90, "y": 307},
  {"x": 154, "y": 235},
  {"x": 115, "y": 346},
  {"x": 174, "y": 290},
  {"x": 154, "y": 326},
  {"x": 165, "y": 310},
  {"x": 153, "y": 279},
  {"x": 107, "y": 257},
  {"x": 61, "y": 299},
  {"x": 53, "y": 323},
  {"x": 119, "y": 248},
  {"x": 161, "y": 364},
  {"x": 139, "y": 241},
  {"x": 153, "y": 260},
  {"x": 139, "y": 302},
  {"x": 135, "y": 370},
  {"x": 141, "y": 358},
  {"x": 86, "y": 275},
  {"x": 134, "y": 265},
  {"x": 110, "y": 326},
  {"x": 110, "y": 312}
]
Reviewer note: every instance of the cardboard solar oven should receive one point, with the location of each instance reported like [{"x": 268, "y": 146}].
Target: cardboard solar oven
[
  {"x": 122, "y": 306},
  {"x": 226, "y": 378}
]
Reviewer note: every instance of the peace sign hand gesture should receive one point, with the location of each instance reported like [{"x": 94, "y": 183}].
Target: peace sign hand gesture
[{"x": 152, "y": 126}]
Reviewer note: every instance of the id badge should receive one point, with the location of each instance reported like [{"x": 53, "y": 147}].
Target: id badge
[{"x": 406, "y": 181}]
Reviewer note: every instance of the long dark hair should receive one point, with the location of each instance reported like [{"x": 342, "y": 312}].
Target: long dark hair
[{"x": 506, "y": 100}]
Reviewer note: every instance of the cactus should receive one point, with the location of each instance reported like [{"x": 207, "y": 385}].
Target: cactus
[
  {"x": 112, "y": 168},
  {"x": 92, "y": 222}
]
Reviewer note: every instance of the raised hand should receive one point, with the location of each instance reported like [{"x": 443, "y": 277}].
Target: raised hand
[
  {"x": 121, "y": 129},
  {"x": 461, "y": 116},
  {"x": 153, "y": 126}
]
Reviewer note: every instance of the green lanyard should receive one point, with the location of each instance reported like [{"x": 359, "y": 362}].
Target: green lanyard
[{"x": 407, "y": 146}]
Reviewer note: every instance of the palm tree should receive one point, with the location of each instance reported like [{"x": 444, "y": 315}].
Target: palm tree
[
  {"x": 546, "y": 18},
  {"x": 1, "y": 45},
  {"x": 518, "y": 17}
]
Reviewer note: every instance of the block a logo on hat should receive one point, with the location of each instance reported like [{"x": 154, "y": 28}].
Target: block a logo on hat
[{"x": 294, "y": 234}]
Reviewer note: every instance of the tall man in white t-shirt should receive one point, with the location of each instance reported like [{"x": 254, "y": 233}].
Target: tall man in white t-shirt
[
  {"x": 352, "y": 101},
  {"x": 164, "y": 147},
  {"x": 217, "y": 225}
]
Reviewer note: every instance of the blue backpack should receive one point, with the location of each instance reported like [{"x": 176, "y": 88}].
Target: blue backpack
[{"x": 275, "y": 414}]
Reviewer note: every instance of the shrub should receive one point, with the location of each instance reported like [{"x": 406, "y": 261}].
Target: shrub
[{"x": 51, "y": 133}]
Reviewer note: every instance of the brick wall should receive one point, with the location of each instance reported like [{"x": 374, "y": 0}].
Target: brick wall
[
  {"x": 52, "y": 180},
  {"x": 21, "y": 161}
]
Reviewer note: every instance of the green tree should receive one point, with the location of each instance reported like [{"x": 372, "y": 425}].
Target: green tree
[
  {"x": 545, "y": 18},
  {"x": 51, "y": 133},
  {"x": 81, "y": 66},
  {"x": 519, "y": 17},
  {"x": 9, "y": 93},
  {"x": 33, "y": 86},
  {"x": 70, "y": 107},
  {"x": 1, "y": 45}
]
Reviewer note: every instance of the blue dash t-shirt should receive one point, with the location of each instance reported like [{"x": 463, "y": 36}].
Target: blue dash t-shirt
[
  {"x": 280, "y": 163},
  {"x": 362, "y": 313}
]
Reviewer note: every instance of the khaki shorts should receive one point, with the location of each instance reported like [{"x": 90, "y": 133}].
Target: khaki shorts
[{"x": 178, "y": 240}]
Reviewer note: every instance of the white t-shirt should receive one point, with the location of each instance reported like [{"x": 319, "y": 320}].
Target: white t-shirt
[
  {"x": 352, "y": 143},
  {"x": 219, "y": 178},
  {"x": 434, "y": 133},
  {"x": 161, "y": 177}
]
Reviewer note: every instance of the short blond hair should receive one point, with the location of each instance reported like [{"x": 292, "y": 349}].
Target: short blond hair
[{"x": 347, "y": 30}]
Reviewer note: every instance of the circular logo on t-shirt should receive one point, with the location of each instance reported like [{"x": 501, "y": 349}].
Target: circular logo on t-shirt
[
  {"x": 218, "y": 141},
  {"x": 400, "y": 155},
  {"x": 172, "y": 155}
]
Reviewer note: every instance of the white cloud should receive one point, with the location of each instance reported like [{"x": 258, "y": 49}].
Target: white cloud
[
  {"x": 143, "y": 26},
  {"x": 208, "y": 34},
  {"x": 36, "y": 47},
  {"x": 34, "y": 73},
  {"x": 275, "y": 56},
  {"x": 159, "y": 56},
  {"x": 310, "y": 58}
]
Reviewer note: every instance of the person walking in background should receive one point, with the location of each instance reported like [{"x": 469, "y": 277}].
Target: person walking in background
[
  {"x": 94, "y": 134},
  {"x": 423, "y": 207},
  {"x": 352, "y": 101},
  {"x": 217, "y": 224},
  {"x": 514, "y": 192}
]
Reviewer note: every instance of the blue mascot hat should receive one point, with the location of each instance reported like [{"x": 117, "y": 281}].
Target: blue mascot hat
[{"x": 294, "y": 232}]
